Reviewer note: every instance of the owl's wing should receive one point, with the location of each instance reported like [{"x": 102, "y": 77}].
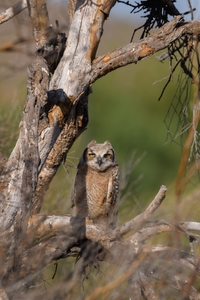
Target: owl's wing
[{"x": 112, "y": 196}]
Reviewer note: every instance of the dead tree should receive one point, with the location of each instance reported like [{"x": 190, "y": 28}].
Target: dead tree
[{"x": 59, "y": 81}]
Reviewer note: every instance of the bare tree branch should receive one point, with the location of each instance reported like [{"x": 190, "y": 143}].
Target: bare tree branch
[
  {"x": 42, "y": 32},
  {"x": 12, "y": 11},
  {"x": 134, "y": 52},
  {"x": 40, "y": 226},
  {"x": 191, "y": 225},
  {"x": 152, "y": 229},
  {"x": 138, "y": 221},
  {"x": 147, "y": 288}
]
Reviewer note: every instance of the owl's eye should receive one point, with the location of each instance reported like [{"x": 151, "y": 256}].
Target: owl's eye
[
  {"x": 107, "y": 155},
  {"x": 91, "y": 155}
]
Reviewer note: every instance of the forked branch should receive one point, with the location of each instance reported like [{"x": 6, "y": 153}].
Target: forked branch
[
  {"x": 134, "y": 52},
  {"x": 140, "y": 220}
]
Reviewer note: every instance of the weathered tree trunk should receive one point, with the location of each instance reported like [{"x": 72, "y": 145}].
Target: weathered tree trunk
[{"x": 55, "y": 114}]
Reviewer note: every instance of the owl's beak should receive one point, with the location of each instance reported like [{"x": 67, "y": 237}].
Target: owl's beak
[{"x": 99, "y": 160}]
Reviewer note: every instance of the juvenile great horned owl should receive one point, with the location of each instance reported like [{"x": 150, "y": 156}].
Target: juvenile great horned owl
[{"x": 96, "y": 185}]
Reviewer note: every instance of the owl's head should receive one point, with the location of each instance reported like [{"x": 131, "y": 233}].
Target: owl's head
[{"x": 99, "y": 157}]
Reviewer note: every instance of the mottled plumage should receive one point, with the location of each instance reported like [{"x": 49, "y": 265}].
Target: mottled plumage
[{"x": 96, "y": 187}]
